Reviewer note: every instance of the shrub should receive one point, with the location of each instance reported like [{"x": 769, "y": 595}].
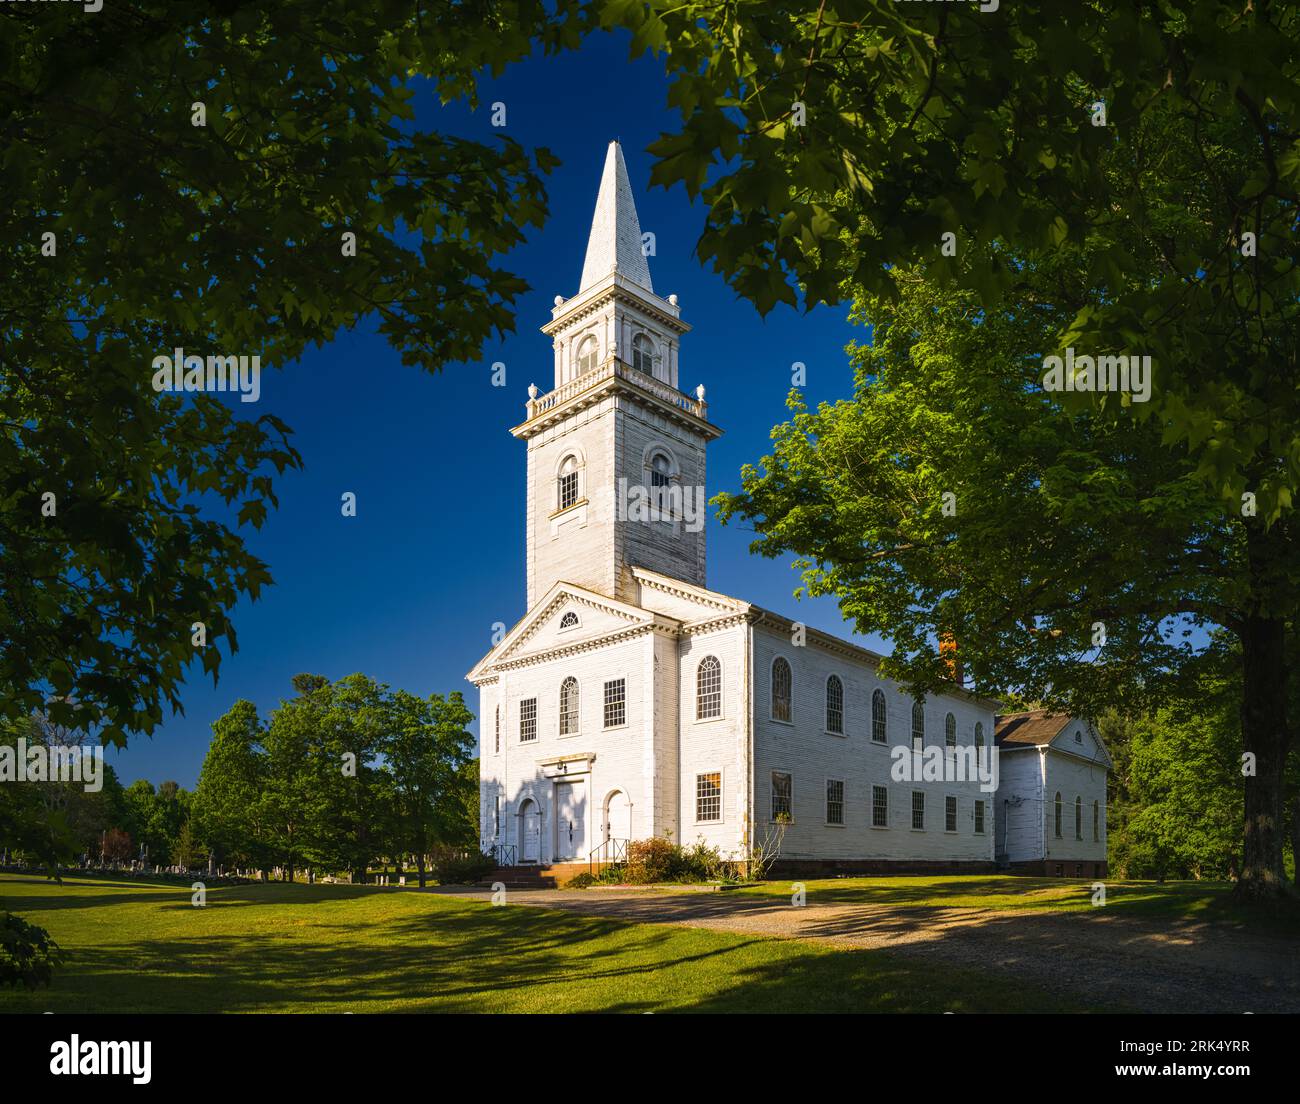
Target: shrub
[
  {"x": 661, "y": 860},
  {"x": 455, "y": 867},
  {"x": 652, "y": 860},
  {"x": 27, "y": 953},
  {"x": 580, "y": 881}
]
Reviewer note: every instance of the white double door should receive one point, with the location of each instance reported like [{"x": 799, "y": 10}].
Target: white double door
[{"x": 571, "y": 815}]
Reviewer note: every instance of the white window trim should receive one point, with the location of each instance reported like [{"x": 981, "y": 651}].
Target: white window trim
[
  {"x": 771, "y": 696},
  {"x": 722, "y": 797},
  {"x": 956, "y": 815},
  {"x": 843, "y": 734},
  {"x": 560, "y": 712},
  {"x": 911, "y": 810},
  {"x": 613, "y": 728},
  {"x": 722, "y": 691},
  {"x": 871, "y": 810},
  {"x": 844, "y": 802},
  {"x": 771, "y": 819},
  {"x": 976, "y": 830},
  {"x": 871, "y": 711}
]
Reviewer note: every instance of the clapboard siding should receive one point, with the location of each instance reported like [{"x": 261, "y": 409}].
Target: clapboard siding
[{"x": 804, "y": 749}]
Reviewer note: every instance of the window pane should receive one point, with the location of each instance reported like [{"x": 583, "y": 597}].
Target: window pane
[
  {"x": 708, "y": 796},
  {"x": 568, "y": 489},
  {"x": 782, "y": 795},
  {"x": 918, "y": 724},
  {"x": 527, "y": 720},
  {"x": 569, "y": 706},
  {"x": 781, "y": 679},
  {"x": 918, "y": 809},
  {"x": 950, "y": 731},
  {"x": 708, "y": 689},
  {"x": 834, "y": 801},
  {"x": 879, "y": 807},
  {"x": 878, "y": 716},
  {"x": 979, "y": 818},
  {"x": 950, "y": 814},
  {"x": 615, "y": 703},
  {"x": 834, "y": 705}
]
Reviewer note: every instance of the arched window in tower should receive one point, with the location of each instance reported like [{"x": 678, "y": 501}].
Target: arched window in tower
[
  {"x": 835, "y": 705},
  {"x": 587, "y": 354},
  {"x": 708, "y": 689},
  {"x": 661, "y": 470},
  {"x": 567, "y": 483},
  {"x": 918, "y": 723},
  {"x": 878, "y": 716},
  {"x": 950, "y": 731},
  {"x": 643, "y": 354},
  {"x": 569, "y": 706},
  {"x": 781, "y": 684}
]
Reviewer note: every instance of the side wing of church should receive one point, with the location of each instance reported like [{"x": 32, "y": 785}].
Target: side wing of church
[{"x": 631, "y": 701}]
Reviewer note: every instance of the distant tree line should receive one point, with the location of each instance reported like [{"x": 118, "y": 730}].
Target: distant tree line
[{"x": 338, "y": 778}]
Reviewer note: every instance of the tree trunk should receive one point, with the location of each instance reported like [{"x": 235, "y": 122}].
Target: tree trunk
[
  {"x": 1264, "y": 728},
  {"x": 1295, "y": 838}
]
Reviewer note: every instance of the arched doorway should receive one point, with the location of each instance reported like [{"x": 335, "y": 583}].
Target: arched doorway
[
  {"x": 618, "y": 816},
  {"x": 530, "y": 831}
]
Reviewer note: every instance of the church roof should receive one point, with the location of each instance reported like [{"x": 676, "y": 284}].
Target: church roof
[
  {"x": 615, "y": 241},
  {"x": 1032, "y": 729}
]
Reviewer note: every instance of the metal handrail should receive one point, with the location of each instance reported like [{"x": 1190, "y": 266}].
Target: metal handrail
[
  {"x": 504, "y": 853},
  {"x": 615, "y": 854}
]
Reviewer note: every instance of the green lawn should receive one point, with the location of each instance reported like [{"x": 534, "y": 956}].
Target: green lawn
[
  {"x": 293, "y": 948},
  {"x": 1210, "y": 901}
]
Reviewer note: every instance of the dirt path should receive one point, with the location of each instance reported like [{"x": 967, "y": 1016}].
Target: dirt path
[{"x": 1109, "y": 959}]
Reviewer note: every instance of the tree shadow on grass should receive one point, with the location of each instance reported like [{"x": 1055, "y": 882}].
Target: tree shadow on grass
[{"x": 469, "y": 958}]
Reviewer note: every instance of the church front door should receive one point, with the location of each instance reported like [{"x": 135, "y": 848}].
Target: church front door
[
  {"x": 570, "y": 821},
  {"x": 530, "y": 825}
]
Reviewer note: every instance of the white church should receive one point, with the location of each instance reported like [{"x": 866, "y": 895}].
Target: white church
[{"x": 631, "y": 701}]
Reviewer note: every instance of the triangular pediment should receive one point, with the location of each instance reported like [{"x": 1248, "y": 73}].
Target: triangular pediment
[
  {"x": 550, "y": 625},
  {"x": 1079, "y": 738}
]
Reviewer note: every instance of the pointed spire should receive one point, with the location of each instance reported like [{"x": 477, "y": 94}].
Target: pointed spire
[{"x": 615, "y": 241}]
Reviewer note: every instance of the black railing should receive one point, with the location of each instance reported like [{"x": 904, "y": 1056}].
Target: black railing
[
  {"x": 613, "y": 852},
  {"x": 504, "y": 853}
]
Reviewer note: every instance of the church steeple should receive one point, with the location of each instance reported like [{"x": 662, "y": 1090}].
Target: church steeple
[
  {"x": 615, "y": 240},
  {"x": 616, "y": 429}
]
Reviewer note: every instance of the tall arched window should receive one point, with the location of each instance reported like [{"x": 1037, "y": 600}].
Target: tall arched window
[
  {"x": 979, "y": 740},
  {"x": 1096, "y": 821},
  {"x": 918, "y": 723},
  {"x": 1058, "y": 814},
  {"x": 835, "y": 705},
  {"x": 878, "y": 716},
  {"x": 496, "y": 747},
  {"x": 569, "y": 706},
  {"x": 1078, "y": 817},
  {"x": 708, "y": 689},
  {"x": 566, "y": 489},
  {"x": 586, "y": 354},
  {"x": 781, "y": 682},
  {"x": 950, "y": 731},
  {"x": 643, "y": 354}
]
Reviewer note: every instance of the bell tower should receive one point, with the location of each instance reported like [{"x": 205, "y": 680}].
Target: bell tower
[{"x": 616, "y": 460}]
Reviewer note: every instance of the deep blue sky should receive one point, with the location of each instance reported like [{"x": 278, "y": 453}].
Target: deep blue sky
[{"x": 408, "y": 590}]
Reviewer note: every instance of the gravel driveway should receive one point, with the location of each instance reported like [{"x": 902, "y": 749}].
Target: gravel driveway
[{"x": 1109, "y": 959}]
